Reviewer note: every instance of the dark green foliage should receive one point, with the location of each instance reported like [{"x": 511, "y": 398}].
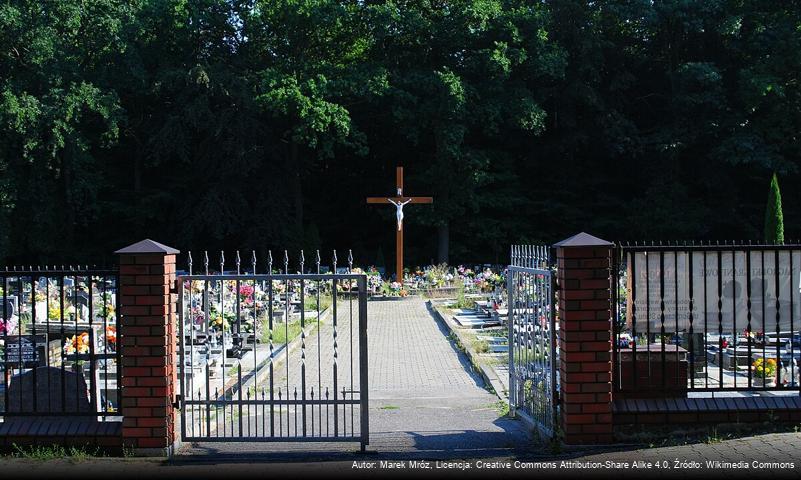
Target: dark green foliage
[
  {"x": 774, "y": 219},
  {"x": 262, "y": 124}
]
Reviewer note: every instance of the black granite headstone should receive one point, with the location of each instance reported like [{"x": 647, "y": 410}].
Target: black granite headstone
[{"x": 58, "y": 392}]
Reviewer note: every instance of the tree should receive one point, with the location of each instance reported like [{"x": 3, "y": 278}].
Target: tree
[
  {"x": 774, "y": 218},
  {"x": 463, "y": 80}
]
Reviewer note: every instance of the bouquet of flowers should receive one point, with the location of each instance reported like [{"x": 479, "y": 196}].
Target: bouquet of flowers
[
  {"x": 765, "y": 369},
  {"x": 111, "y": 337},
  {"x": 77, "y": 344},
  {"x": 9, "y": 326}
]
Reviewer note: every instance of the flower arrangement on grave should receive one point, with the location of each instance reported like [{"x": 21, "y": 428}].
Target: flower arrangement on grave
[
  {"x": 765, "y": 369},
  {"x": 105, "y": 309},
  {"x": 374, "y": 281},
  {"x": 77, "y": 344},
  {"x": 9, "y": 326},
  {"x": 246, "y": 294},
  {"x": 40, "y": 296},
  {"x": 111, "y": 337},
  {"x": 278, "y": 287},
  {"x": 219, "y": 323},
  {"x": 437, "y": 275}
]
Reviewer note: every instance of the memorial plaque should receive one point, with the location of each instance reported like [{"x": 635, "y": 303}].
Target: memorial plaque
[
  {"x": 650, "y": 282},
  {"x": 28, "y": 350}
]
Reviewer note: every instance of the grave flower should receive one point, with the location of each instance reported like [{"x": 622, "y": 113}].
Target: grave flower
[
  {"x": 111, "y": 336},
  {"x": 765, "y": 369},
  {"x": 9, "y": 326},
  {"x": 77, "y": 344}
]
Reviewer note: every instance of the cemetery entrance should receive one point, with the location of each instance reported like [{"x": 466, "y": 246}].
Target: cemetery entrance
[{"x": 273, "y": 358}]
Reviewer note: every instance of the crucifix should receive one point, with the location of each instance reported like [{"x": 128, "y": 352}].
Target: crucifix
[{"x": 399, "y": 202}]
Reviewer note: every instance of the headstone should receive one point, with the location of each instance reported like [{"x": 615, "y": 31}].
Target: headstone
[
  {"x": 52, "y": 395},
  {"x": 8, "y": 307},
  {"x": 28, "y": 350}
]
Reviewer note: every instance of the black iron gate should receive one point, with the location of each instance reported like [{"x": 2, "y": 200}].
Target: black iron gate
[
  {"x": 533, "y": 333},
  {"x": 273, "y": 357}
]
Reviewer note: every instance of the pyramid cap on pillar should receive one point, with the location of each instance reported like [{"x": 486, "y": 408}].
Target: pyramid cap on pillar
[
  {"x": 583, "y": 239},
  {"x": 147, "y": 246}
]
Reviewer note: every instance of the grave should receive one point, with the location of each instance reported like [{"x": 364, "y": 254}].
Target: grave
[{"x": 50, "y": 394}]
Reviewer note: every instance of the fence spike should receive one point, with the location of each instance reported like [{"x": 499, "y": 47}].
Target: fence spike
[
  {"x": 206, "y": 261},
  {"x": 189, "y": 261},
  {"x": 238, "y": 262},
  {"x": 350, "y": 260},
  {"x": 317, "y": 260},
  {"x": 335, "y": 261},
  {"x": 286, "y": 262},
  {"x": 253, "y": 260},
  {"x": 222, "y": 262},
  {"x": 270, "y": 262},
  {"x": 302, "y": 261}
]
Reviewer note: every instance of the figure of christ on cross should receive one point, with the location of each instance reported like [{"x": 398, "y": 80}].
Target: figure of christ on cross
[{"x": 399, "y": 202}]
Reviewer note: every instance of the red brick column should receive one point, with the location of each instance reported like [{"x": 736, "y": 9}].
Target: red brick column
[
  {"x": 147, "y": 336},
  {"x": 585, "y": 339}
]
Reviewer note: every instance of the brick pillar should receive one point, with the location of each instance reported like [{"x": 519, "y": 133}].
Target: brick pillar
[
  {"x": 147, "y": 336},
  {"x": 585, "y": 339}
]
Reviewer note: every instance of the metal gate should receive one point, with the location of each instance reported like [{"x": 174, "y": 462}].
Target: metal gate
[
  {"x": 273, "y": 357},
  {"x": 533, "y": 333}
]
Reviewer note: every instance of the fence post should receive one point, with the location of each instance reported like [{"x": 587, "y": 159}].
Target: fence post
[
  {"x": 146, "y": 330},
  {"x": 585, "y": 339}
]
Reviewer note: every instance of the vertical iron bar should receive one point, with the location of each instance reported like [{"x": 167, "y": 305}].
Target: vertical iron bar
[
  {"x": 662, "y": 314},
  {"x": 692, "y": 330},
  {"x": 182, "y": 349},
  {"x": 61, "y": 349},
  {"x": 734, "y": 311},
  {"x": 363, "y": 365},
  {"x": 334, "y": 321},
  {"x": 706, "y": 327},
  {"x": 6, "y": 373},
  {"x": 92, "y": 358},
  {"x": 35, "y": 343},
  {"x": 511, "y": 308},
  {"x": 748, "y": 315},
  {"x": 303, "y": 352},
  {"x": 272, "y": 350},
  {"x": 555, "y": 400},
  {"x": 778, "y": 312},
  {"x": 720, "y": 319}
]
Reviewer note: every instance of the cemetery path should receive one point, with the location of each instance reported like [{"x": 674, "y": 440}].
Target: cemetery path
[{"x": 425, "y": 400}]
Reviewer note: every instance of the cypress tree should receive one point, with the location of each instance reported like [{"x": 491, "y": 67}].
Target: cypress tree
[{"x": 774, "y": 219}]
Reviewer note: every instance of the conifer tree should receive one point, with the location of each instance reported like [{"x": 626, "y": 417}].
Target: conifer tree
[{"x": 774, "y": 219}]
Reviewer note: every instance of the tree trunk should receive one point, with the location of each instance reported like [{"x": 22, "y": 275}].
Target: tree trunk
[
  {"x": 443, "y": 242},
  {"x": 297, "y": 188}
]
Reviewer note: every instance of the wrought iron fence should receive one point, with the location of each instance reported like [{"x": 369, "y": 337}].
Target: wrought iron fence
[
  {"x": 58, "y": 346},
  {"x": 274, "y": 356},
  {"x": 533, "y": 361},
  {"x": 701, "y": 318}
]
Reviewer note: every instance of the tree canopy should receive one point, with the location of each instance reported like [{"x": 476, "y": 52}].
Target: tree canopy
[{"x": 259, "y": 124}]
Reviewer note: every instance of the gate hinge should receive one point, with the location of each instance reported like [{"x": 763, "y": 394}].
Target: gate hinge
[{"x": 177, "y": 402}]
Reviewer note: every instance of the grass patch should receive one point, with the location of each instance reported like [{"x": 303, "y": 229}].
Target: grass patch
[
  {"x": 480, "y": 346},
  {"x": 310, "y": 302},
  {"x": 53, "y": 452},
  {"x": 502, "y": 407},
  {"x": 389, "y": 407},
  {"x": 283, "y": 333},
  {"x": 461, "y": 300}
]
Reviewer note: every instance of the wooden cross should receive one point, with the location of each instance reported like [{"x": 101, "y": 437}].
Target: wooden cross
[{"x": 399, "y": 201}]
